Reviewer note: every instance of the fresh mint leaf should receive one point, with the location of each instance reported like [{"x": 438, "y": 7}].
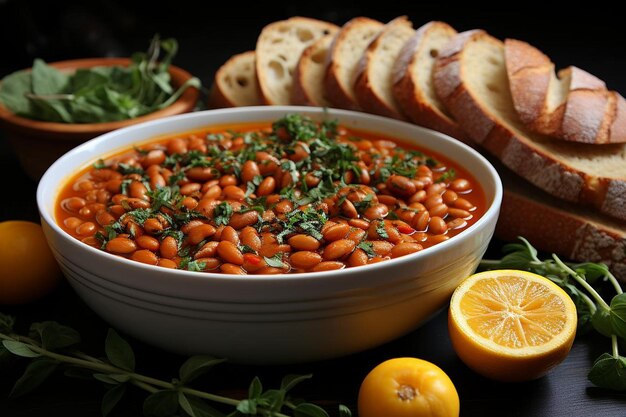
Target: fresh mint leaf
[
  {"x": 13, "y": 91},
  {"x": 275, "y": 261},
  {"x": 618, "y": 315},
  {"x": 196, "y": 366},
  {"x": 380, "y": 230},
  {"x": 53, "y": 335},
  {"x": 609, "y": 372},
  {"x": 248, "y": 407},
  {"x": 255, "y": 389},
  {"x": 47, "y": 80},
  {"x": 368, "y": 248},
  {"x": 222, "y": 213},
  {"x": 601, "y": 321},
  {"x": 119, "y": 352},
  {"x": 35, "y": 374},
  {"x": 111, "y": 398}
]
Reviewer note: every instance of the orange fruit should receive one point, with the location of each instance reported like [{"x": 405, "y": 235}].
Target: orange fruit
[
  {"x": 408, "y": 387},
  {"x": 28, "y": 270},
  {"x": 511, "y": 325}
]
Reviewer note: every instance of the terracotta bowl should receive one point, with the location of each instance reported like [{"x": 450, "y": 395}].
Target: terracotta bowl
[{"x": 38, "y": 144}]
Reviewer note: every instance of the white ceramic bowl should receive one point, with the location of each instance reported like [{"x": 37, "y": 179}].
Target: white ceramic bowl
[{"x": 268, "y": 319}]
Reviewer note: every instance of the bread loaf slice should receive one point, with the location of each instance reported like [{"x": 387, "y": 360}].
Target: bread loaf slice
[
  {"x": 555, "y": 226},
  {"x": 470, "y": 78},
  {"x": 413, "y": 82},
  {"x": 345, "y": 52},
  {"x": 373, "y": 85},
  {"x": 574, "y": 106},
  {"x": 308, "y": 79},
  {"x": 278, "y": 50},
  {"x": 235, "y": 83}
]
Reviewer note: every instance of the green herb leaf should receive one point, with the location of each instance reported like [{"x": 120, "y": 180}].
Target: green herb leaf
[
  {"x": 275, "y": 261},
  {"x": 272, "y": 399},
  {"x": 380, "y": 230},
  {"x": 368, "y": 248},
  {"x": 601, "y": 321},
  {"x": 6, "y": 323},
  {"x": 247, "y": 407},
  {"x": 54, "y": 336},
  {"x": 609, "y": 372},
  {"x": 13, "y": 91},
  {"x": 119, "y": 352},
  {"x": 344, "y": 411},
  {"x": 35, "y": 374},
  {"x": 309, "y": 410},
  {"x": 47, "y": 80},
  {"x": 19, "y": 349},
  {"x": 185, "y": 404},
  {"x": 111, "y": 398},
  {"x": 618, "y": 315},
  {"x": 222, "y": 213},
  {"x": 196, "y": 366},
  {"x": 202, "y": 409},
  {"x": 161, "y": 404},
  {"x": 255, "y": 389},
  {"x": 447, "y": 176},
  {"x": 290, "y": 381}
]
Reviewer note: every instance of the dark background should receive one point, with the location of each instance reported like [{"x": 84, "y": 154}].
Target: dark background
[{"x": 591, "y": 38}]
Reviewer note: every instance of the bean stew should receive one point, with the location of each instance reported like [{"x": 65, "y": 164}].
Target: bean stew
[{"x": 292, "y": 196}]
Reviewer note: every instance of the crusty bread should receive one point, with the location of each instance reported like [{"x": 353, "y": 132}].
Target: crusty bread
[
  {"x": 235, "y": 83},
  {"x": 413, "y": 82},
  {"x": 552, "y": 225},
  {"x": 470, "y": 78},
  {"x": 308, "y": 79},
  {"x": 278, "y": 50},
  {"x": 573, "y": 106},
  {"x": 345, "y": 53},
  {"x": 373, "y": 86}
]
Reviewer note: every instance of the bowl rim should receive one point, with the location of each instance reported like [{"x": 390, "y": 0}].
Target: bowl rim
[
  {"x": 492, "y": 209},
  {"x": 186, "y": 102}
]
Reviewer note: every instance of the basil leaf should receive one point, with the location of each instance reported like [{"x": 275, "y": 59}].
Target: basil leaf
[
  {"x": 111, "y": 398},
  {"x": 47, "y": 80},
  {"x": 609, "y": 372},
  {"x": 119, "y": 352},
  {"x": 196, "y": 366},
  {"x": 35, "y": 374},
  {"x": 161, "y": 404},
  {"x": 13, "y": 90},
  {"x": 53, "y": 335},
  {"x": 618, "y": 315}
]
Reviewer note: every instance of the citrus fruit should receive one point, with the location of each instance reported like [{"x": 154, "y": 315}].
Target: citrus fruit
[
  {"x": 511, "y": 325},
  {"x": 28, "y": 269},
  {"x": 408, "y": 387}
]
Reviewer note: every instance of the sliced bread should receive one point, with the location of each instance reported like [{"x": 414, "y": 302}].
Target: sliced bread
[
  {"x": 553, "y": 225},
  {"x": 413, "y": 82},
  {"x": 470, "y": 78},
  {"x": 235, "y": 83},
  {"x": 278, "y": 50},
  {"x": 308, "y": 79},
  {"x": 373, "y": 85},
  {"x": 574, "y": 106},
  {"x": 346, "y": 51}
]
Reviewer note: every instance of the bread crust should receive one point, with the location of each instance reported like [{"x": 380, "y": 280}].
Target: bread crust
[
  {"x": 364, "y": 89},
  {"x": 409, "y": 95},
  {"x": 339, "y": 94},
  {"x": 218, "y": 95},
  {"x": 301, "y": 94},
  {"x": 514, "y": 148}
]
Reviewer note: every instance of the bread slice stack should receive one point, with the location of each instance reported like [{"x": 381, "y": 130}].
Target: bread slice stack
[
  {"x": 557, "y": 139},
  {"x": 471, "y": 79}
]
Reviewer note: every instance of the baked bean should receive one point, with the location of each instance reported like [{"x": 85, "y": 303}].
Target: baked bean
[
  {"x": 283, "y": 206},
  {"x": 147, "y": 242},
  {"x": 227, "y": 180},
  {"x": 359, "y": 223},
  {"x": 229, "y": 252},
  {"x": 440, "y": 210},
  {"x": 356, "y": 235},
  {"x": 335, "y": 232},
  {"x": 393, "y": 235},
  {"x": 405, "y": 248},
  {"x": 145, "y": 256},
  {"x": 457, "y": 223},
  {"x": 249, "y": 170},
  {"x": 357, "y": 258},
  {"x": 250, "y": 237},
  {"x": 387, "y": 200},
  {"x": 338, "y": 249},
  {"x": 138, "y": 190},
  {"x": 153, "y": 158},
  {"x": 73, "y": 204},
  {"x": 435, "y": 189},
  {"x": 91, "y": 241},
  {"x": 270, "y": 270},
  {"x": 418, "y": 197},
  {"x": 377, "y": 211},
  {"x": 303, "y": 242},
  {"x": 401, "y": 186},
  {"x": 420, "y": 221},
  {"x": 86, "y": 229},
  {"x": 461, "y": 185},
  {"x": 311, "y": 180},
  {"x": 208, "y": 250},
  {"x": 304, "y": 259},
  {"x": 208, "y": 263},
  {"x": 460, "y": 213},
  {"x": 449, "y": 197},
  {"x": 72, "y": 222},
  {"x": 87, "y": 213},
  {"x": 189, "y": 189},
  {"x": 121, "y": 245},
  {"x": 381, "y": 247},
  {"x": 177, "y": 145},
  {"x": 463, "y": 204},
  {"x": 199, "y": 233},
  {"x": 200, "y": 174},
  {"x": 348, "y": 210},
  {"x": 153, "y": 226},
  {"x": 206, "y": 206},
  {"x": 229, "y": 234},
  {"x": 253, "y": 263},
  {"x": 432, "y": 201},
  {"x": 438, "y": 239},
  {"x": 232, "y": 269},
  {"x": 437, "y": 226},
  {"x": 169, "y": 247},
  {"x": 240, "y": 220},
  {"x": 190, "y": 203},
  {"x": 232, "y": 192},
  {"x": 167, "y": 263},
  {"x": 328, "y": 266}
]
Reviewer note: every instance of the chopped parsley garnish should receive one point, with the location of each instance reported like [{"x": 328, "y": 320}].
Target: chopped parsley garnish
[
  {"x": 380, "y": 230},
  {"x": 447, "y": 176},
  {"x": 222, "y": 213},
  {"x": 275, "y": 261},
  {"x": 368, "y": 248}
]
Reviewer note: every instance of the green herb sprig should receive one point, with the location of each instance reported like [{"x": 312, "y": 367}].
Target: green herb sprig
[
  {"x": 581, "y": 281},
  {"x": 51, "y": 347},
  {"x": 97, "y": 94}
]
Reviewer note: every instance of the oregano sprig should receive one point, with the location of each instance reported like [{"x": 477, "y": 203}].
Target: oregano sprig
[
  {"x": 51, "y": 346},
  {"x": 581, "y": 281}
]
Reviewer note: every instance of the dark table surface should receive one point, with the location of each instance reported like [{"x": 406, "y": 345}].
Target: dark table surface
[{"x": 64, "y": 30}]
